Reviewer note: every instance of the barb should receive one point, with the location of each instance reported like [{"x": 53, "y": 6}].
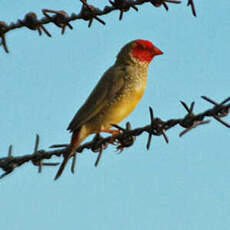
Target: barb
[
  {"x": 122, "y": 6},
  {"x": 158, "y": 3},
  {"x": 98, "y": 157},
  {"x": 157, "y": 129},
  {"x": 61, "y": 19},
  {"x": 31, "y": 22},
  {"x": 125, "y": 137},
  {"x": 89, "y": 12},
  {"x": 219, "y": 111},
  {"x": 3, "y": 28},
  {"x": 191, "y": 3}
]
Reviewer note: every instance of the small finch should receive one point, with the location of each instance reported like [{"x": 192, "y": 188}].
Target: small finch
[{"x": 115, "y": 96}]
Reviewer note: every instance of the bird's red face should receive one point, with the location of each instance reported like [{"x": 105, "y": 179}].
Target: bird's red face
[{"x": 144, "y": 51}]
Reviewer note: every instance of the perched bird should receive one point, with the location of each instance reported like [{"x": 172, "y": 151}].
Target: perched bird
[{"x": 115, "y": 96}]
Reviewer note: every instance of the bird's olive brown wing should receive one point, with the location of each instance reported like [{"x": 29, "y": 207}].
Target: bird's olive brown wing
[{"x": 111, "y": 83}]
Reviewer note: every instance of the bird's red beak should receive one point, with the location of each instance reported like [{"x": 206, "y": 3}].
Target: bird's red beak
[{"x": 157, "y": 51}]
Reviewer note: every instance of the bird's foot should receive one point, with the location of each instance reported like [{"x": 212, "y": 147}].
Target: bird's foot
[{"x": 114, "y": 134}]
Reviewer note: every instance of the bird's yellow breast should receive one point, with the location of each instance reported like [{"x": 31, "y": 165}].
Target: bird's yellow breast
[
  {"x": 127, "y": 102},
  {"x": 119, "y": 108}
]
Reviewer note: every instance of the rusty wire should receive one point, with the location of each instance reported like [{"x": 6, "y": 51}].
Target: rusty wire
[
  {"x": 125, "y": 139},
  {"x": 88, "y": 13}
]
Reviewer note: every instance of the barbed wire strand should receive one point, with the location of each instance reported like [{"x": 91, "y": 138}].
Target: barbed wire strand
[
  {"x": 89, "y": 13},
  {"x": 125, "y": 139}
]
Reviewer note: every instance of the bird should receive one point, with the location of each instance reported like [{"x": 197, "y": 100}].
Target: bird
[{"x": 115, "y": 96}]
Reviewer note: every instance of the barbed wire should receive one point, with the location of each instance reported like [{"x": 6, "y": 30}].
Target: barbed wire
[
  {"x": 125, "y": 139},
  {"x": 88, "y": 13}
]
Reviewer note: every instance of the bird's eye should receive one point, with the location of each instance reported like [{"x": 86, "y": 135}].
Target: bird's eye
[{"x": 143, "y": 47}]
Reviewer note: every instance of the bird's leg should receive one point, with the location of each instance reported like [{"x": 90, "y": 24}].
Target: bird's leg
[{"x": 111, "y": 131}]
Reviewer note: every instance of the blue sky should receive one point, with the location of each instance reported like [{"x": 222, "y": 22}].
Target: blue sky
[{"x": 181, "y": 185}]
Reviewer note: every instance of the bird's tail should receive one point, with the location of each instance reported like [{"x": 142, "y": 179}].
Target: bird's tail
[{"x": 76, "y": 140}]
